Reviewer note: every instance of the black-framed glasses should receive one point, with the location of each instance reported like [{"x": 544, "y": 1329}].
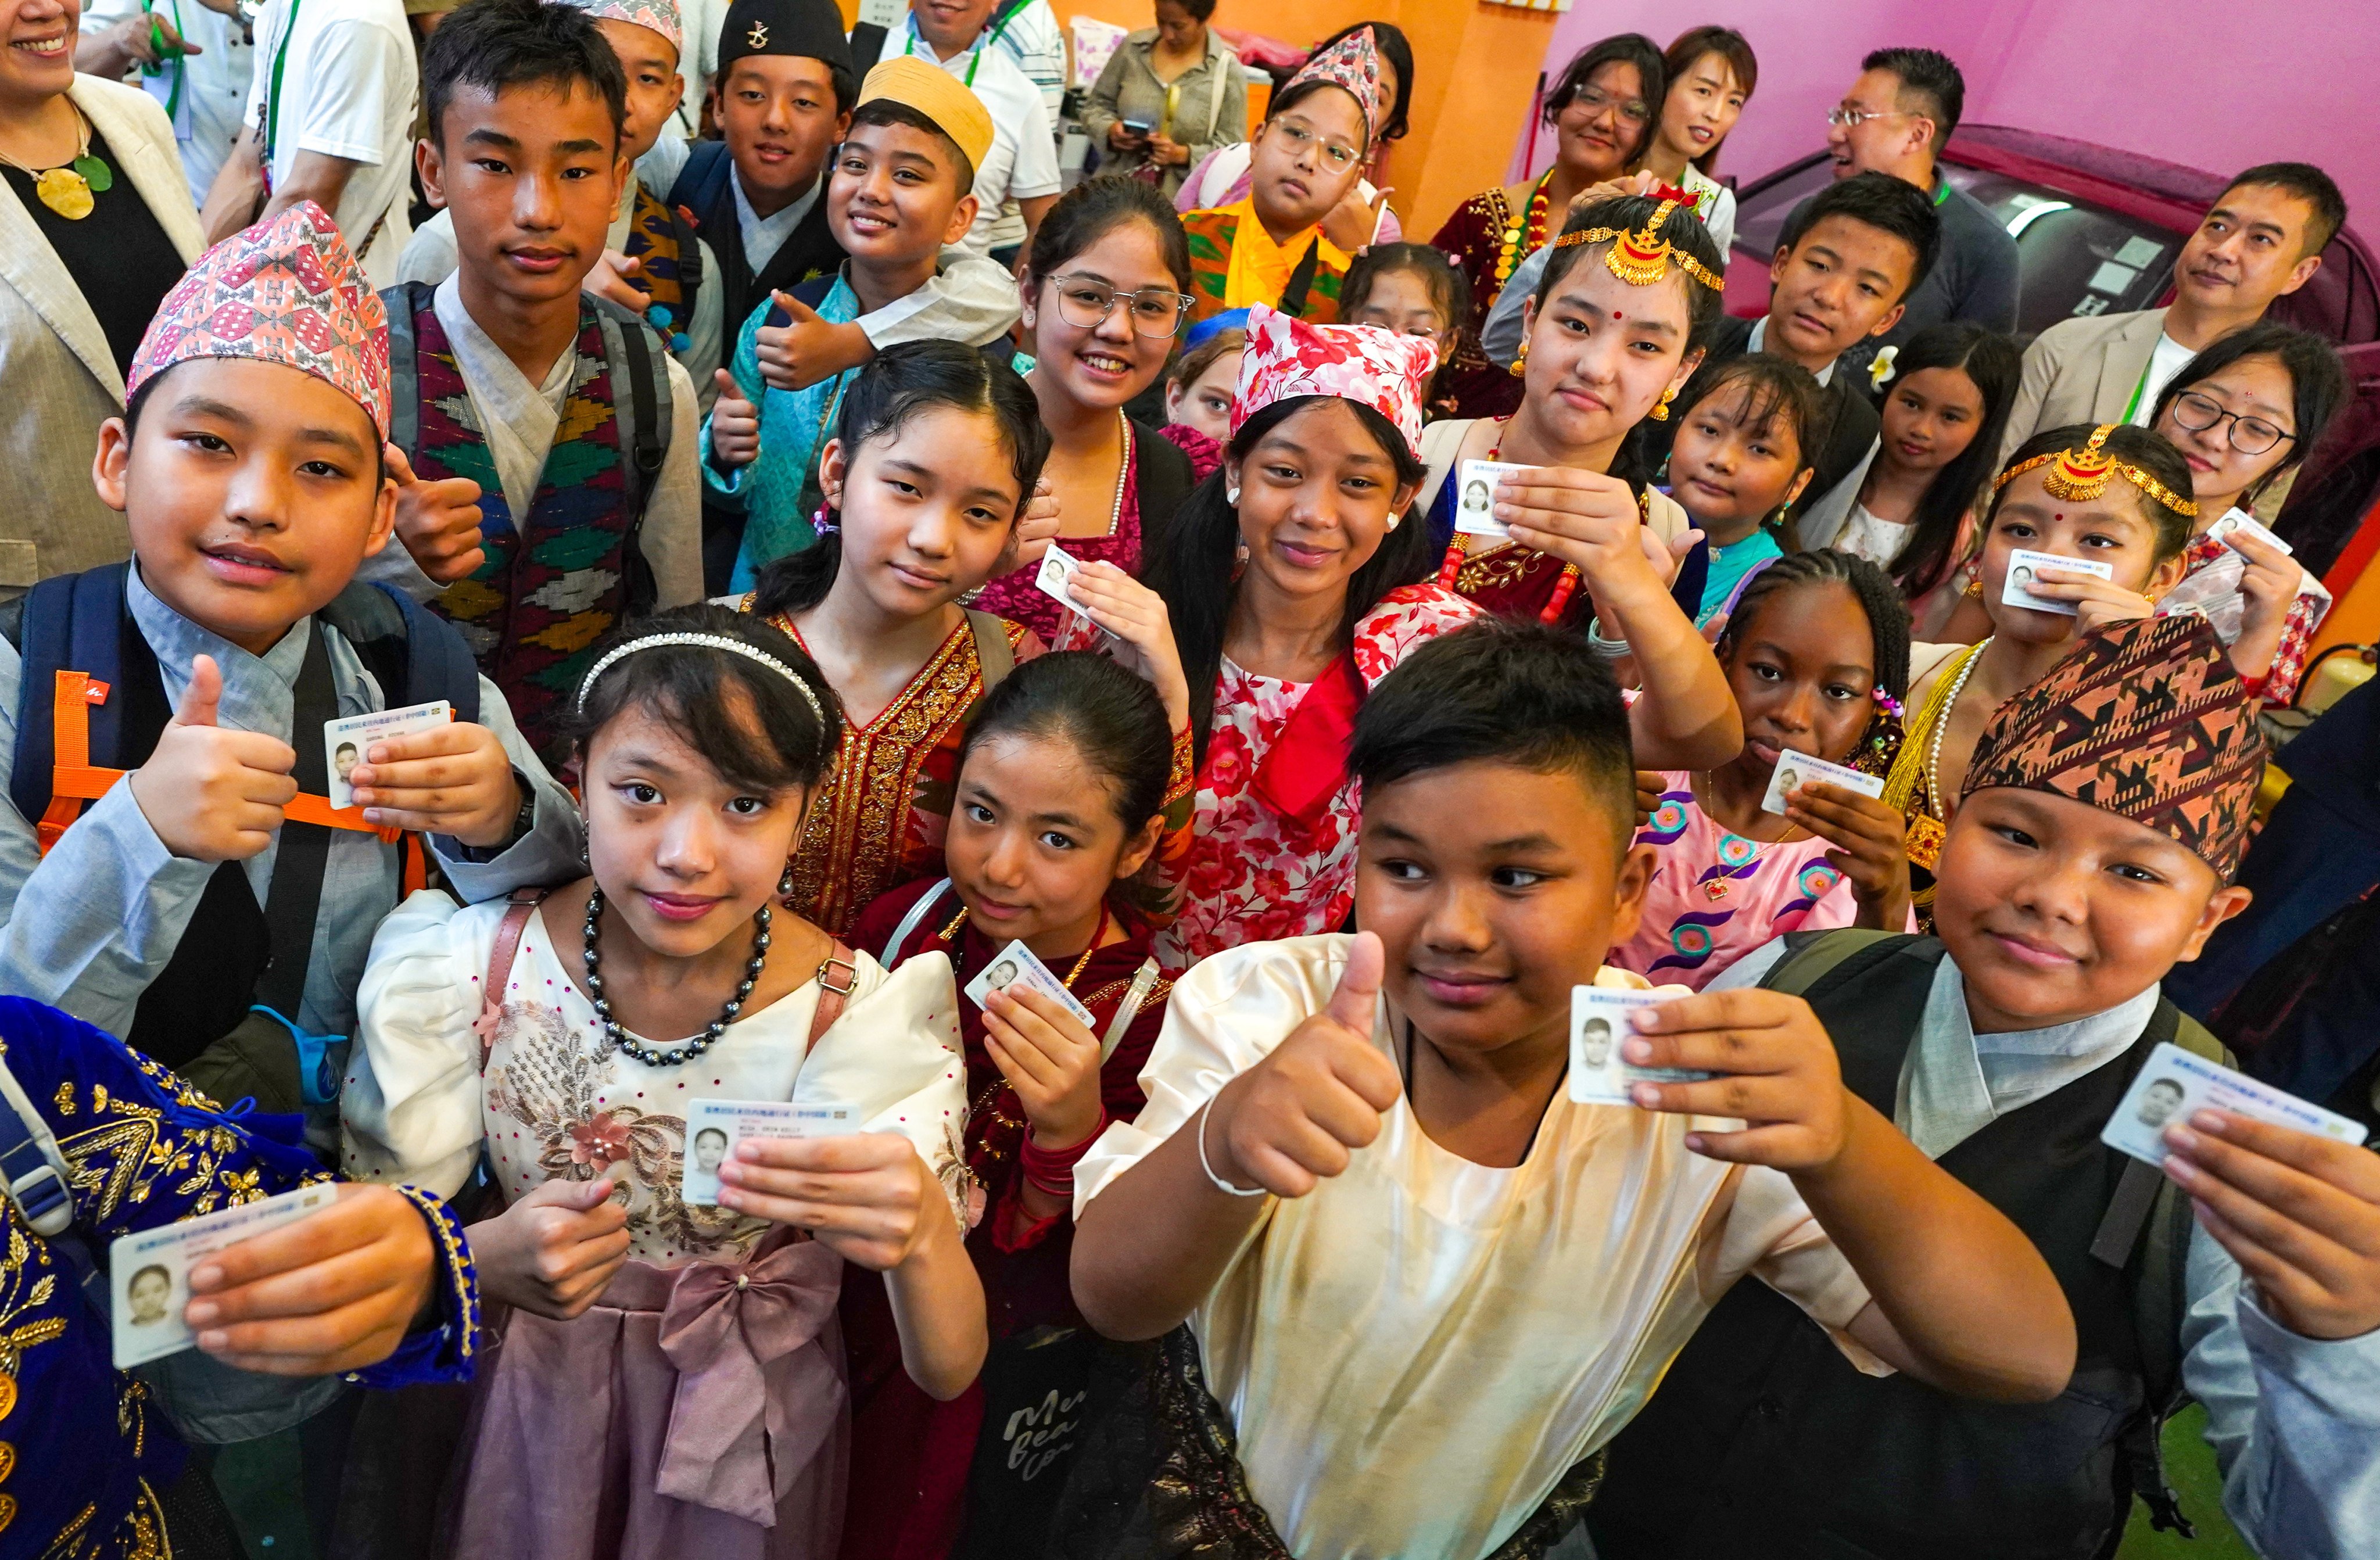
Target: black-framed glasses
[
  {"x": 1156, "y": 312},
  {"x": 2250, "y": 436}
]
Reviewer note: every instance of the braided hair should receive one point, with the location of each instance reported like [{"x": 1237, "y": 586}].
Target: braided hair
[{"x": 1888, "y": 622}]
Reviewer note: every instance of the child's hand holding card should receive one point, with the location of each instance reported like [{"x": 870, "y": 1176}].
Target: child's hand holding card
[
  {"x": 148, "y": 1270},
  {"x": 1016, "y": 964},
  {"x": 2024, "y": 571},
  {"x": 1797, "y": 769},
  {"x": 347, "y": 742},
  {"x": 1474, "y": 497},
  {"x": 713, "y": 1127},
  {"x": 1761, "y": 1058},
  {"x": 2177, "y": 1082}
]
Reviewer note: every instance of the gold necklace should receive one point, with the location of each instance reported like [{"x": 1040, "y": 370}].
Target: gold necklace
[
  {"x": 69, "y": 189},
  {"x": 1719, "y": 889},
  {"x": 1097, "y": 933}
]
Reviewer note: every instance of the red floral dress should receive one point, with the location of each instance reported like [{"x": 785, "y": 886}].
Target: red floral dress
[{"x": 1254, "y": 876}]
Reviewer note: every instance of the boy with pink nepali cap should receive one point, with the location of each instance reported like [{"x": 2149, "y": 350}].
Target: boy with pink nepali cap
[
  {"x": 173, "y": 875},
  {"x": 214, "y": 874},
  {"x": 1269, "y": 247}
]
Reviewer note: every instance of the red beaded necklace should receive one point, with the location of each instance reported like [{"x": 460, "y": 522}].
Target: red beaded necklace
[{"x": 1459, "y": 550}]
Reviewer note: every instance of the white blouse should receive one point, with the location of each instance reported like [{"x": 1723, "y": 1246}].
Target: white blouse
[
  {"x": 1421, "y": 1313},
  {"x": 1864, "y": 535},
  {"x": 553, "y": 1104}
]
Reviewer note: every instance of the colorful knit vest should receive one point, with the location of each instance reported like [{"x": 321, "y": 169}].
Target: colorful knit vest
[
  {"x": 654, "y": 236},
  {"x": 1211, "y": 235},
  {"x": 549, "y": 587}
]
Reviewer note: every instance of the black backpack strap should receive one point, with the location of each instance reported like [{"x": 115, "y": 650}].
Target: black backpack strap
[
  {"x": 632, "y": 348},
  {"x": 1301, "y": 281},
  {"x": 403, "y": 372},
  {"x": 866, "y": 48},
  {"x": 415, "y": 655},
  {"x": 294, "y": 902},
  {"x": 690, "y": 261}
]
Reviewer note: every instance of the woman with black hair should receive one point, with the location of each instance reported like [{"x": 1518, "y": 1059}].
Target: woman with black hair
[
  {"x": 1295, "y": 579},
  {"x": 1946, "y": 401},
  {"x": 1604, "y": 111},
  {"x": 2244, "y": 413}
]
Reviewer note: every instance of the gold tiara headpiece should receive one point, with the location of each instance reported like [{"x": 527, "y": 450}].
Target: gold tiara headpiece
[
  {"x": 1644, "y": 257},
  {"x": 2081, "y": 476}
]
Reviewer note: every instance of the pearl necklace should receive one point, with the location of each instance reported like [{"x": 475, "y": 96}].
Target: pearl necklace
[
  {"x": 1942, "y": 724},
  {"x": 620, "y": 1039}
]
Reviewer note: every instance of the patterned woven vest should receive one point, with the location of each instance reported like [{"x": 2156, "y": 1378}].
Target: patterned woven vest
[
  {"x": 653, "y": 233},
  {"x": 1211, "y": 235},
  {"x": 549, "y": 587}
]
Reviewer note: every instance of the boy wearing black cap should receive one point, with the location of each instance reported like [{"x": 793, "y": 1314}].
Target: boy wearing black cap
[{"x": 2105, "y": 810}]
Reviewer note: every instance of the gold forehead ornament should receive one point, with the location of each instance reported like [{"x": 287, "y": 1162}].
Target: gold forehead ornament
[
  {"x": 1644, "y": 257},
  {"x": 2081, "y": 476}
]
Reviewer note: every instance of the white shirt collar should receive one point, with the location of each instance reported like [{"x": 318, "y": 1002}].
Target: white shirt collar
[{"x": 763, "y": 236}]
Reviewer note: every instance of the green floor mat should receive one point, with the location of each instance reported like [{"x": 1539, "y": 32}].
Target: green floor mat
[{"x": 2190, "y": 1467}]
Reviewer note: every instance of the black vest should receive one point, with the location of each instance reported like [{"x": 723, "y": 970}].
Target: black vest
[
  {"x": 1763, "y": 1441},
  {"x": 705, "y": 188}
]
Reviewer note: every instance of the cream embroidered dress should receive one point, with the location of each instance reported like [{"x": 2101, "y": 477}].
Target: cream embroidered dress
[{"x": 710, "y": 1373}]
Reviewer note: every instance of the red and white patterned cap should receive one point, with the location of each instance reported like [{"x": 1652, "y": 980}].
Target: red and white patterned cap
[
  {"x": 286, "y": 291},
  {"x": 1353, "y": 64},
  {"x": 662, "y": 16},
  {"x": 1367, "y": 364}
]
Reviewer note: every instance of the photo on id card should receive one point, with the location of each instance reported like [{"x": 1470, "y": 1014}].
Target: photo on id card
[
  {"x": 2178, "y": 1081},
  {"x": 713, "y": 1127},
  {"x": 148, "y": 1270},
  {"x": 1474, "y": 502},
  {"x": 1056, "y": 578},
  {"x": 2025, "y": 566},
  {"x": 1601, "y": 1019},
  {"x": 348, "y": 741}
]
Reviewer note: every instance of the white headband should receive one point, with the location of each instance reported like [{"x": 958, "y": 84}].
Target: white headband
[{"x": 708, "y": 642}]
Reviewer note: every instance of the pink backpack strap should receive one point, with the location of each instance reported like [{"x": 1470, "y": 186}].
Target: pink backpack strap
[
  {"x": 832, "y": 998},
  {"x": 519, "y": 905}
]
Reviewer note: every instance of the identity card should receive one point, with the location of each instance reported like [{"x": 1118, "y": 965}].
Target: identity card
[
  {"x": 713, "y": 1127},
  {"x": 2024, "y": 564},
  {"x": 348, "y": 742},
  {"x": 1799, "y": 769},
  {"x": 1057, "y": 577},
  {"x": 1600, "y": 1020},
  {"x": 148, "y": 1271},
  {"x": 2177, "y": 1082},
  {"x": 1475, "y": 504},
  {"x": 1015, "y": 962},
  {"x": 2239, "y": 522}
]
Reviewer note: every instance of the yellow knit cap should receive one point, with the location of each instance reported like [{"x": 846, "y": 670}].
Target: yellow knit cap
[{"x": 937, "y": 95}]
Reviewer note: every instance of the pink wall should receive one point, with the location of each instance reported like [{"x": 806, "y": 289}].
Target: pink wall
[{"x": 2216, "y": 84}]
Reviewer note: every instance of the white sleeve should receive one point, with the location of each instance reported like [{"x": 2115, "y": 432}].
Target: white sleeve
[
  {"x": 428, "y": 257},
  {"x": 1771, "y": 1234},
  {"x": 1035, "y": 173},
  {"x": 895, "y": 1053},
  {"x": 672, "y": 537},
  {"x": 269, "y": 23},
  {"x": 1225, "y": 1016},
  {"x": 971, "y": 300},
  {"x": 657, "y": 170},
  {"x": 409, "y": 1110},
  {"x": 355, "y": 64},
  {"x": 1500, "y": 333}
]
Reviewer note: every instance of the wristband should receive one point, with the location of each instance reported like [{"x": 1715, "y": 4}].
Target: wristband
[
  {"x": 1610, "y": 649},
  {"x": 1199, "y": 1127}
]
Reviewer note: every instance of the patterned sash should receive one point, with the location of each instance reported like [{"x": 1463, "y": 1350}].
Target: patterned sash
[
  {"x": 549, "y": 588},
  {"x": 653, "y": 233}
]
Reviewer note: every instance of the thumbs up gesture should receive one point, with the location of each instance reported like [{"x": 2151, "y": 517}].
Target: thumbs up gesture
[
  {"x": 735, "y": 424},
  {"x": 210, "y": 792},
  {"x": 806, "y": 349},
  {"x": 438, "y": 522},
  {"x": 1297, "y": 1115}
]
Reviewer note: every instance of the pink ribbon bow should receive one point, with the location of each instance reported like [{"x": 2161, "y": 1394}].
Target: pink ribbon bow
[{"x": 755, "y": 1401}]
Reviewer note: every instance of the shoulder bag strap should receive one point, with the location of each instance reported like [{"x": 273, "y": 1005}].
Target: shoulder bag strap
[
  {"x": 1144, "y": 981},
  {"x": 992, "y": 651},
  {"x": 293, "y": 905},
  {"x": 832, "y": 999},
  {"x": 33, "y": 1177},
  {"x": 1215, "y": 89},
  {"x": 917, "y": 913},
  {"x": 1440, "y": 443},
  {"x": 519, "y": 905}
]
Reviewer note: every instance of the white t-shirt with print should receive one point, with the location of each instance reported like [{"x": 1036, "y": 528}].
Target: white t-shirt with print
[
  {"x": 349, "y": 83},
  {"x": 1023, "y": 163}
]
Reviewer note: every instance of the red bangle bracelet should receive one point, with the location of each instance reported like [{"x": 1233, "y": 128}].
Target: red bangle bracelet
[{"x": 1053, "y": 1169}]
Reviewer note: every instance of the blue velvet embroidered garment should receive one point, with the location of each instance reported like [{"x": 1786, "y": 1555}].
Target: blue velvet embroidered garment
[{"x": 82, "y": 1457}]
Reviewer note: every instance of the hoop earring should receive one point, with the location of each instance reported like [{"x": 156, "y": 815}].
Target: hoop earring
[
  {"x": 1520, "y": 368},
  {"x": 1662, "y": 412}
]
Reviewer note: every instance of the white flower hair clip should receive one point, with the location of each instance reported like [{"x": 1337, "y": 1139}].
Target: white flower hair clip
[{"x": 1880, "y": 370}]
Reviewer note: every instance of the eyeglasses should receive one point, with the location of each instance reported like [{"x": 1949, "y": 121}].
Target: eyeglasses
[
  {"x": 1155, "y": 313},
  {"x": 1596, "y": 102},
  {"x": 1337, "y": 153},
  {"x": 1852, "y": 118},
  {"x": 2250, "y": 436}
]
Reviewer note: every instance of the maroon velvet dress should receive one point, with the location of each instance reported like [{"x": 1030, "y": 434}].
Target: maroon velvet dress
[
  {"x": 1486, "y": 238},
  {"x": 911, "y": 1457}
]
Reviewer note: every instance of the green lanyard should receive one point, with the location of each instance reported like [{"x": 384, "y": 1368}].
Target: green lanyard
[
  {"x": 272, "y": 92},
  {"x": 2140, "y": 388},
  {"x": 166, "y": 57},
  {"x": 999, "y": 25}
]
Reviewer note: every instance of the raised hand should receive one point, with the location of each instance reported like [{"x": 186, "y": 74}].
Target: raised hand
[
  {"x": 608, "y": 279},
  {"x": 2300, "y": 1215},
  {"x": 1870, "y": 847},
  {"x": 806, "y": 349},
  {"x": 2267, "y": 587},
  {"x": 210, "y": 792},
  {"x": 1296, "y": 1117},
  {"x": 1351, "y": 224},
  {"x": 438, "y": 522},
  {"x": 455, "y": 780},
  {"x": 1775, "y": 1070},
  {"x": 1050, "y": 1059},
  {"x": 735, "y": 424},
  {"x": 554, "y": 1250},
  {"x": 1591, "y": 520},
  {"x": 1136, "y": 615},
  {"x": 337, "y": 1290}
]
